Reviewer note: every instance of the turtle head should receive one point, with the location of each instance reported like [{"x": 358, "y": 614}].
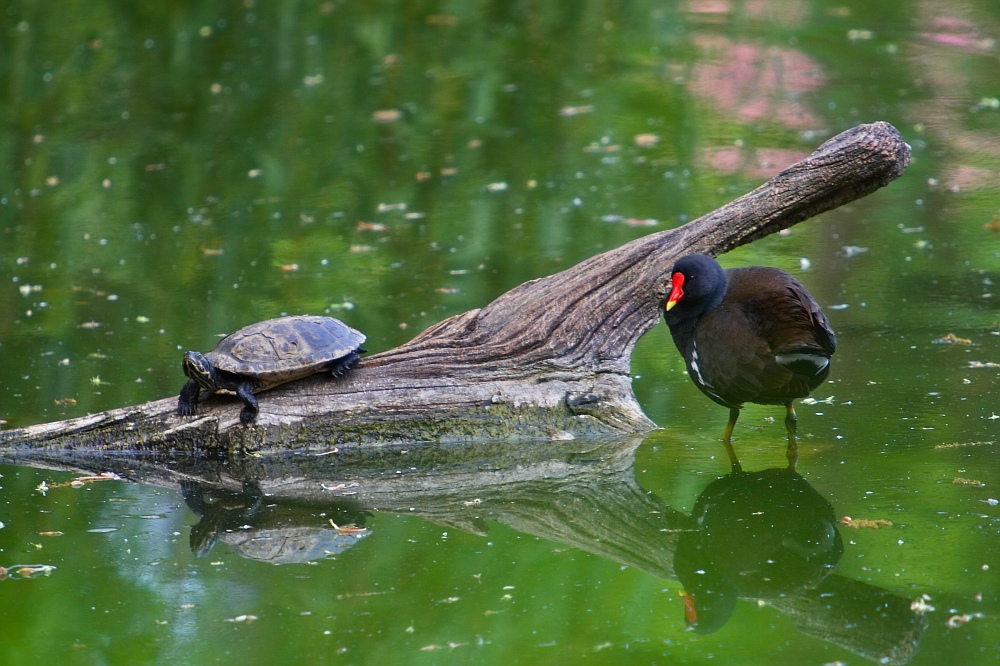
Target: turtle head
[{"x": 200, "y": 369}]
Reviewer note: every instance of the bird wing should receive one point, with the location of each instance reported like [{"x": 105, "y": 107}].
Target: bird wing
[
  {"x": 739, "y": 362},
  {"x": 815, "y": 330}
]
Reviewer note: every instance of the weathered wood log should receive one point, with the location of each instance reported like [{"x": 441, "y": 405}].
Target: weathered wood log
[{"x": 547, "y": 358}]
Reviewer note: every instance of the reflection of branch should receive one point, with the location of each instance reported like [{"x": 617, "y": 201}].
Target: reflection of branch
[
  {"x": 550, "y": 355},
  {"x": 582, "y": 493},
  {"x": 888, "y": 634}
]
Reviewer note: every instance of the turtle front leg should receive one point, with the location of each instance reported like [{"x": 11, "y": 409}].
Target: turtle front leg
[
  {"x": 250, "y": 405},
  {"x": 188, "y": 400}
]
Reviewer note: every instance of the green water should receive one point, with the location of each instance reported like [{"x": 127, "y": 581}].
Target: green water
[{"x": 175, "y": 171}]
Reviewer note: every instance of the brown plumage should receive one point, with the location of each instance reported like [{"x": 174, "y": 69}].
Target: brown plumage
[{"x": 748, "y": 335}]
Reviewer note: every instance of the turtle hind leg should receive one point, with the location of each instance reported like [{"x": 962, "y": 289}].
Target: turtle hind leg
[
  {"x": 340, "y": 367},
  {"x": 250, "y": 405}
]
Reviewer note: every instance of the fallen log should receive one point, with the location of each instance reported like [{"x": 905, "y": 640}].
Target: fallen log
[{"x": 550, "y": 358}]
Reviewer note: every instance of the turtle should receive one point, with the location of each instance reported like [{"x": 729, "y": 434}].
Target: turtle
[{"x": 266, "y": 354}]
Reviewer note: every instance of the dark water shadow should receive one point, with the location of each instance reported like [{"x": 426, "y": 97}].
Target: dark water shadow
[{"x": 767, "y": 536}]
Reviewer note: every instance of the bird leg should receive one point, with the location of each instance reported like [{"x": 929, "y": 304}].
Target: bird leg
[
  {"x": 792, "y": 453},
  {"x": 727, "y": 439}
]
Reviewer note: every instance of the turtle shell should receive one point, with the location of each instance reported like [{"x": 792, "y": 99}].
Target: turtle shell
[{"x": 285, "y": 349}]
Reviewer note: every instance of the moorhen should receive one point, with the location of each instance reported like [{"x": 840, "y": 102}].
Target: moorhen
[{"x": 749, "y": 334}]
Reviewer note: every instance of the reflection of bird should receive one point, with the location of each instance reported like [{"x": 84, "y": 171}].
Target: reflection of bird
[
  {"x": 748, "y": 335},
  {"x": 756, "y": 534}
]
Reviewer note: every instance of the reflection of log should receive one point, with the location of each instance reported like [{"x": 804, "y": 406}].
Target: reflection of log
[
  {"x": 889, "y": 633},
  {"x": 581, "y": 493},
  {"x": 550, "y": 355}
]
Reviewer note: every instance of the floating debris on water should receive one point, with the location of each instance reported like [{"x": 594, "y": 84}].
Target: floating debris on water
[
  {"x": 629, "y": 221},
  {"x": 570, "y": 111},
  {"x": 351, "y": 529},
  {"x": 951, "y": 339},
  {"x": 242, "y": 618},
  {"x": 386, "y": 116},
  {"x": 857, "y": 523},
  {"x": 78, "y": 482},
  {"x": 961, "y": 481},
  {"x": 817, "y": 401},
  {"x": 958, "y": 620},
  {"x": 25, "y": 571},
  {"x": 28, "y": 289},
  {"x": 646, "y": 140},
  {"x": 955, "y": 445}
]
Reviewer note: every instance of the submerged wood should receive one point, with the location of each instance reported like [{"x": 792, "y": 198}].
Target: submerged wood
[{"x": 549, "y": 358}]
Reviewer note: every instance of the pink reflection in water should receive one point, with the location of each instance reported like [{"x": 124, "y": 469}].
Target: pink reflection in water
[
  {"x": 759, "y": 163},
  {"x": 757, "y": 83}
]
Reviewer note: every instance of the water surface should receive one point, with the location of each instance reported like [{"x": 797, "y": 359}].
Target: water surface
[{"x": 173, "y": 173}]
